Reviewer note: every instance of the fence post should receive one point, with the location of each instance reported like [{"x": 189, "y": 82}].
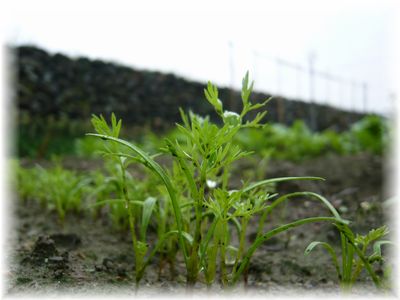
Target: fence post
[
  {"x": 365, "y": 96},
  {"x": 232, "y": 105},
  {"x": 311, "y": 60}
]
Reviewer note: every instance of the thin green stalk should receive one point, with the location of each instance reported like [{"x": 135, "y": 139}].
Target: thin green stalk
[
  {"x": 279, "y": 179},
  {"x": 158, "y": 246},
  {"x": 246, "y": 259},
  {"x": 211, "y": 262},
  {"x": 330, "y": 250},
  {"x": 225, "y": 177},
  {"x": 242, "y": 243},
  {"x": 224, "y": 277},
  {"x": 158, "y": 170},
  {"x": 131, "y": 222},
  {"x": 261, "y": 222},
  {"x": 359, "y": 265},
  {"x": 194, "y": 259},
  {"x": 367, "y": 265},
  {"x": 350, "y": 257},
  {"x": 343, "y": 241},
  {"x": 347, "y": 259},
  {"x": 206, "y": 241},
  {"x": 279, "y": 200}
]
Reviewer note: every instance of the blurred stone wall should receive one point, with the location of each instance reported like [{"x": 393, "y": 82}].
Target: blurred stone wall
[{"x": 60, "y": 86}]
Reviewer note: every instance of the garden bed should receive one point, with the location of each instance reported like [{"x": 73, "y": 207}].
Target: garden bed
[{"x": 88, "y": 255}]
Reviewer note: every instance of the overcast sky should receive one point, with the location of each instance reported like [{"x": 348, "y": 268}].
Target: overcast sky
[{"x": 202, "y": 40}]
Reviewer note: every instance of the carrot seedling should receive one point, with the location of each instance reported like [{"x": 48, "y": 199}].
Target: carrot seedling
[
  {"x": 354, "y": 254},
  {"x": 207, "y": 211}
]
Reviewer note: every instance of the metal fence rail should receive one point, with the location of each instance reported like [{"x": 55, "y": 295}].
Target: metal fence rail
[{"x": 303, "y": 81}]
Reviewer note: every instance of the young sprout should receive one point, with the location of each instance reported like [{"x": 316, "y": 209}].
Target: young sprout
[
  {"x": 355, "y": 245},
  {"x": 55, "y": 187},
  {"x": 207, "y": 212},
  {"x": 138, "y": 228}
]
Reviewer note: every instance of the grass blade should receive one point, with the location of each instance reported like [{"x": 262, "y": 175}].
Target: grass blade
[
  {"x": 159, "y": 171},
  {"x": 328, "y": 247},
  {"x": 279, "y": 179},
  {"x": 257, "y": 243},
  {"x": 148, "y": 207}
]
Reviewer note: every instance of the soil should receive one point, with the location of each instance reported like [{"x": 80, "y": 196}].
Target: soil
[{"x": 86, "y": 255}]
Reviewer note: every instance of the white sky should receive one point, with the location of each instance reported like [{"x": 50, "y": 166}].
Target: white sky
[{"x": 352, "y": 39}]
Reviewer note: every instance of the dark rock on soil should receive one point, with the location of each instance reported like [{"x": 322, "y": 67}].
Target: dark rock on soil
[
  {"x": 68, "y": 241},
  {"x": 45, "y": 254},
  {"x": 44, "y": 248}
]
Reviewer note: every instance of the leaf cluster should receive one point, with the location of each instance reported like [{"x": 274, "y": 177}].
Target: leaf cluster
[{"x": 198, "y": 195}]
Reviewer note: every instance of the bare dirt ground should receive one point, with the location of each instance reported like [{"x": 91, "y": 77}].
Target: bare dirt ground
[{"x": 88, "y": 256}]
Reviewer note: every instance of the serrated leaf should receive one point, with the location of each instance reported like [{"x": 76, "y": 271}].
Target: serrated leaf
[
  {"x": 211, "y": 94},
  {"x": 184, "y": 118},
  {"x": 375, "y": 234},
  {"x": 246, "y": 89},
  {"x": 372, "y": 235},
  {"x": 118, "y": 128}
]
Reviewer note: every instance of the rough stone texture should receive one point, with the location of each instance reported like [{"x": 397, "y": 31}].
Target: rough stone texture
[{"x": 57, "y": 85}]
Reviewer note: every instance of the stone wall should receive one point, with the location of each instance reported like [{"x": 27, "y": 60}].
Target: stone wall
[{"x": 60, "y": 86}]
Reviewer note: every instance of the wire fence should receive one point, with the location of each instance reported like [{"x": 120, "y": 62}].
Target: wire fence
[{"x": 302, "y": 81}]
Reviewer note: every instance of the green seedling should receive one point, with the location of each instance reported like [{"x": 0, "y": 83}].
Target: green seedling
[
  {"x": 27, "y": 182},
  {"x": 354, "y": 254},
  {"x": 207, "y": 210},
  {"x": 87, "y": 147},
  {"x": 56, "y": 188},
  {"x": 108, "y": 193},
  {"x": 297, "y": 142},
  {"x": 99, "y": 189},
  {"x": 138, "y": 212},
  {"x": 64, "y": 189}
]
